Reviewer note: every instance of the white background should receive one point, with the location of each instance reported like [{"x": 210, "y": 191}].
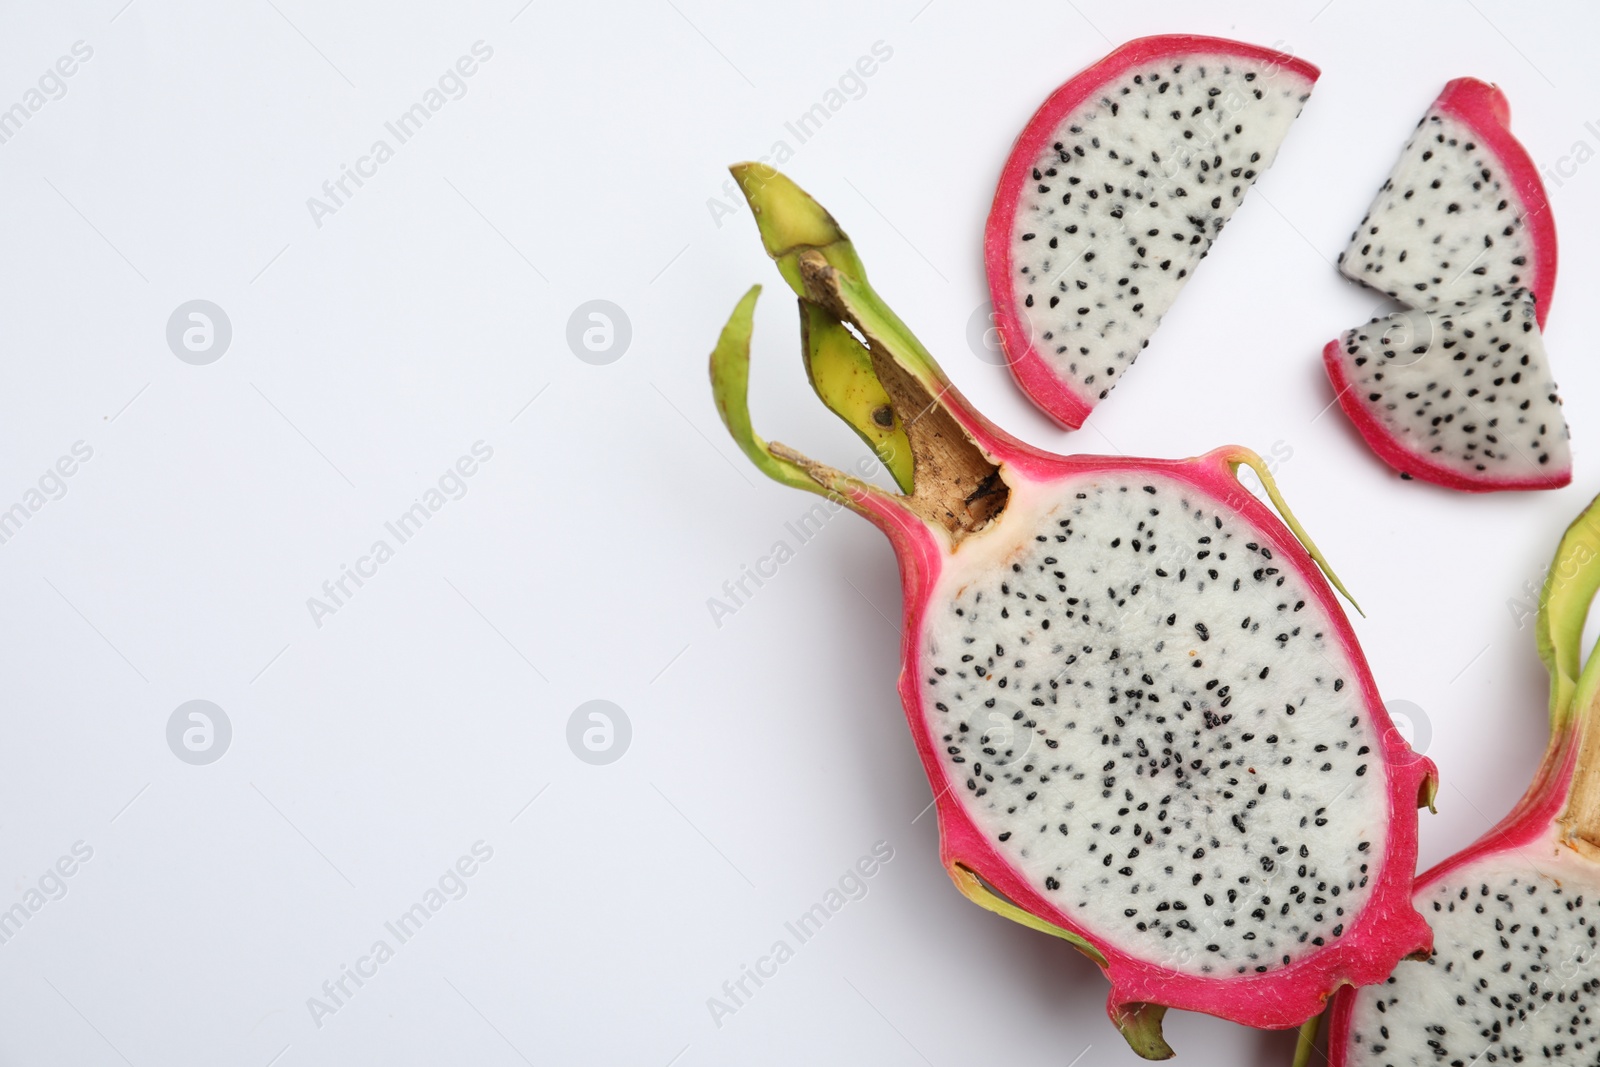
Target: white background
[{"x": 767, "y": 754}]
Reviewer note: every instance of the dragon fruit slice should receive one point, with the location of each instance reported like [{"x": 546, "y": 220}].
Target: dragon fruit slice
[
  {"x": 1463, "y": 215},
  {"x": 1460, "y": 395},
  {"x": 1113, "y": 194},
  {"x": 1458, "y": 392},
  {"x": 1516, "y": 968},
  {"x": 1147, "y": 724}
]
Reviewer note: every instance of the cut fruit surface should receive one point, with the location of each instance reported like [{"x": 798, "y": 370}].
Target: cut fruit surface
[
  {"x": 1459, "y": 395},
  {"x": 1151, "y": 718},
  {"x": 1112, "y": 195},
  {"x": 1533, "y": 999},
  {"x": 1463, "y": 215}
]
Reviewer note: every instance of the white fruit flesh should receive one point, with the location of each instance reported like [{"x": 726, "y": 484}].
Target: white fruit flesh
[
  {"x": 1132, "y": 189},
  {"x": 1446, "y": 225},
  {"x": 1466, "y": 388},
  {"x": 1147, "y": 713},
  {"x": 1513, "y": 978}
]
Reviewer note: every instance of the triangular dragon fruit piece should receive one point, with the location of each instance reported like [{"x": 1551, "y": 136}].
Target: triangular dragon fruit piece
[
  {"x": 1463, "y": 215},
  {"x": 1114, "y": 192},
  {"x": 1460, "y": 395},
  {"x": 1516, "y": 963},
  {"x": 1147, "y": 724}
]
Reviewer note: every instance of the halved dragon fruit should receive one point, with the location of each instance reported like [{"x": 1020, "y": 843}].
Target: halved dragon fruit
[
  {"x": 1146, "y": 721},
  {"x": 1113, "y": 194},
  {"x": 1515, "y": 973},
  {"x": 1458, "y": 392}
]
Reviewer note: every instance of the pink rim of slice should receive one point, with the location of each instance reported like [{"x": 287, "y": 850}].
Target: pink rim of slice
[
  {"x": 1484, "y": 110},
  {"x": 1402, "y": 459},
  {"x": 1027, "y": 364}
]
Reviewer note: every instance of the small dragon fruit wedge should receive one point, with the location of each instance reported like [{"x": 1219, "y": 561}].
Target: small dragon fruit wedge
[
  {"x": 1145, "y": 719},
  {"x": 1515, "y": 973},
  {"x": 1463, "y": 215},
  {"x": 1458, "y": 394},
  {"x": 1457, "y": 391},
  {"x": 1113, "y": 194}
]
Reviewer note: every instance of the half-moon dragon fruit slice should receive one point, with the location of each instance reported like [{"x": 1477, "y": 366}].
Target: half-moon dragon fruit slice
[
  {"x": 1146, "y": 721},
  {"x": 1515, "y": 974},
  {"x": 1461, "y": 392},
  {"x": 1113, "y": 194},
  {"x": 1458, "y": 392}
]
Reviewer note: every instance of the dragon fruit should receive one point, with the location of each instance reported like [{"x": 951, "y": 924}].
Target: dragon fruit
[
  {"x": 1113, "y": 194},
  {"x": 1458, "y": 391},
  {"x": 1463, "y": 215},
  {"x": 1459, "y": 395},
  {"x": 1147, "y": 724},
  {"x": 1516, "y": 967}
]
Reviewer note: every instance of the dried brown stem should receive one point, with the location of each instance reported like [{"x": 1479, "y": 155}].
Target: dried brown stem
[
  {"x": 1580, "y": 821},
  {"x": 954, "y": 483}
]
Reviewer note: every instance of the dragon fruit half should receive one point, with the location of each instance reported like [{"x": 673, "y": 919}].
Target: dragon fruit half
[
  {"x": 1113, "y": 194},
  {"x": 1146, "y": 721},
  {"x": 1515, "y": 975},
  {"x": 1458, "y": 390}
]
